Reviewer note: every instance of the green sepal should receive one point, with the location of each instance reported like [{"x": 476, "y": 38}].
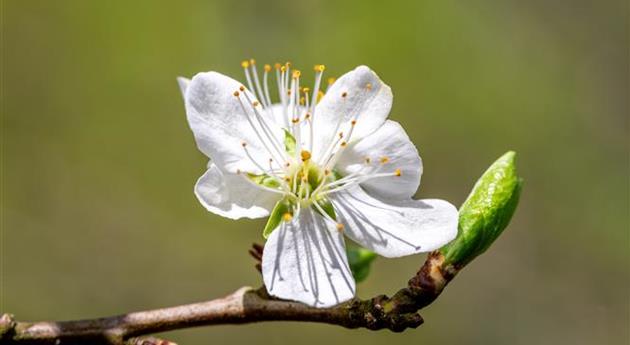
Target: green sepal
[
  {"x": 486, "y": 212},
  {"x": 264, "y": 180},
  {"x": 289, "y": 143},
  {"x": 360, "y": 260},
  {"x": 283, "y": 206},
  {"x": 314, "y": 176},
  {"x": 336, "y": 175},
  {"x": 327, "y": 206}
]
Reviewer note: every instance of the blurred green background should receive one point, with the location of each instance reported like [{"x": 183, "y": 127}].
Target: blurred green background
[{"x": 98, "y": 163}]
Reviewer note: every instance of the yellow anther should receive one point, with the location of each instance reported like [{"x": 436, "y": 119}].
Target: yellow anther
[
  {"x": 344, "y": 94},
  {"x": 277, "y": 65},
  {"x": 306, "y": 90},
  {"x": 255, "y": 103},
  {"x": 397, "y": 172},
  {"x": 242, "y": 88},
  {"x": 245, "y": 64},
  {"x": 283, "y": 69},
  {"x": 320, "y": 95},
  {"x": 340, "y": 226},
  {"x": 295, "y": 120},
  {"x": 267, "y": 67},
  {"x": 302, "y": 100},
  {"x": 236, "y": 94},
  {"x": 368, "y": 86},
  {"x": 305, "y": 155},
  {"x": 384, "y": 159},
  {"x": 331, "y": 80},
  {"x": 319, "y": 68},
  {"x": 287, "y": 217},
  {"x": 296, "y": 74},
  {"x": 343, "y": 144},
  {"x": 326, "y": 172},
  {"x": 252, "y": 61},
  {"x": 288, "y": 64}
]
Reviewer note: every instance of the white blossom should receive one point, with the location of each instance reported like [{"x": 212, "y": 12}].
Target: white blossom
[{"x": 322, "y": 165}]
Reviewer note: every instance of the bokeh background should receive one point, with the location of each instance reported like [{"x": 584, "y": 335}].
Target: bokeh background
[{"x": 98, "y": 163}]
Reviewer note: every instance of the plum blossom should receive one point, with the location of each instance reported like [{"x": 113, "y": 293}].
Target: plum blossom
[{"x": 321, "y": 164}]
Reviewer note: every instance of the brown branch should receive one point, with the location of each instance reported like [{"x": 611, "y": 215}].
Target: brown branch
[{"x": 245, "y": 305}]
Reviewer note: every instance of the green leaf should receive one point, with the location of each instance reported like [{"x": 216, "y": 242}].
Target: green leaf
[
  {"x": 360, "y": 260},
  {"x": 327, "y": 206},
  {"x": 278, "y": 212},
  {"x": 486, "y": 212},
  {"x": 289, "y": 143},
  {"x": 264, "y": 180}
]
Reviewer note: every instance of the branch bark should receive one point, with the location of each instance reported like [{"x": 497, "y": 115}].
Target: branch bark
[{"x": 246, "y": 305}]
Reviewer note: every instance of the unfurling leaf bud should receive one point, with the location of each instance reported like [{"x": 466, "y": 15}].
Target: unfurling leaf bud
[{"x": 486, "y": 212}]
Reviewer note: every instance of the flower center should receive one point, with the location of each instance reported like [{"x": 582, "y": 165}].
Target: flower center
[{"x": 291, "y": 170}]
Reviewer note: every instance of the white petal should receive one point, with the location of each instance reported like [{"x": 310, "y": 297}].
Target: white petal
[
  {"x": 305, "y": 261},
  {"x": 220, "y": 125},
  {"x": 367, "y": 98},
  {"x": 183, "y": 85},
  {"x": 396, "y": 228},
  {"x": 392, "y": 142},
  {"x": 228, "y": 195}
]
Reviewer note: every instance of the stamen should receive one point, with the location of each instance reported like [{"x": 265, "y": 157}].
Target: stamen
[
  {"x": 319, "y": 71},
  {"x": 251, "y": 158},
  {"x": 266, "y": 86},
  {"x": 251, "y": 123},
  {"x": 281, "y": 92},
  {"x": 333, "y": 160},
  {"x": 245, "y": 65},
  {"x": 259, "y": 89},
  {"x": 266, "y": 130},
  {"x": 306, "y": 155},
  {"x": 328, "y": 152},
  {"x": 287, "y": 217},
  {"x": 295, "y": 98},
  {"x": 356, "y": 180},
  {"x": 332, "y": 142}
]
